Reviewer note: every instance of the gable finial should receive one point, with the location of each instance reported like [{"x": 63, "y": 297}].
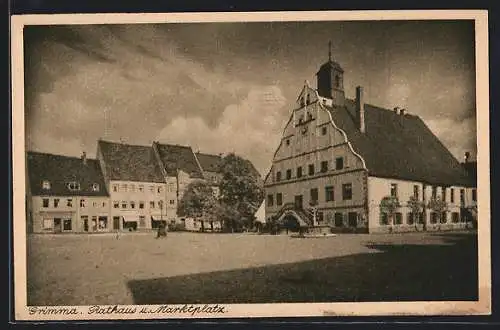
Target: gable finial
[{"x": 330, "y": 50}]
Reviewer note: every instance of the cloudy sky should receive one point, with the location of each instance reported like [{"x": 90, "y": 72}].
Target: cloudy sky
[{"x": 230, "y": 87}]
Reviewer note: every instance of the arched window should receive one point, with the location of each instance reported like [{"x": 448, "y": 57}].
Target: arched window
[
  {"x": 308, "y": 99},
  {"x": 337, "y": 80}
]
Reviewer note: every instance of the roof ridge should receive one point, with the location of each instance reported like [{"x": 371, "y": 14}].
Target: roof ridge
[
  {"x": 124, "y": 144},
  {"x": 58, "y": 155}
]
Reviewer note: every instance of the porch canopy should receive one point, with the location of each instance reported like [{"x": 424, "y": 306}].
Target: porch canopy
[{"x": 130, "y": 218}]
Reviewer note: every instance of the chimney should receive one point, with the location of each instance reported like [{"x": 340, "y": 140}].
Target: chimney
[
  {"x": 396, "y": 110},
  {"x": 360, "y": 109},
  {"x": 402, "y": 112},
  {"x": 84, "y": 158},
  {"x": 466, "y": 157}
]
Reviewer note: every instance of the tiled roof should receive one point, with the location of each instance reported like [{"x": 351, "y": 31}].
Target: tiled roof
[
  {"x": 209, "y": 163},
  {"x": 176, "y": 157},
  {"x": 59, "y": 171},
  {"x": 126, "y": 162},
  {"x": 400, "y": 146}
]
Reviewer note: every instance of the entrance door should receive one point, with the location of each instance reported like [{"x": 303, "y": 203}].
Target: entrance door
[
  {"x": 116, "y": 223},
  {"x": 57, "y": 225},
  {"x": 298, "y": 201},
  {"x": 86, "y": 225}
]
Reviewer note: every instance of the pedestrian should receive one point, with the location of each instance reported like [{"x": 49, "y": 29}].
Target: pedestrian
[{"x": 161, "y": 230}]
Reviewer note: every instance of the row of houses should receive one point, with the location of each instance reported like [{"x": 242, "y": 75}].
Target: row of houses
[
  {"x": 339, "y": 160},
  {"x": 126, "y": 187}
]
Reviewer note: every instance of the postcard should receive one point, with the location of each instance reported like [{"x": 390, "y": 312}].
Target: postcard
[{"x": 259, "y": 164}]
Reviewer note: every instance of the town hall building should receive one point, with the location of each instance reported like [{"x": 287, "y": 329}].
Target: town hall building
[{"x": 340, "y": 160}]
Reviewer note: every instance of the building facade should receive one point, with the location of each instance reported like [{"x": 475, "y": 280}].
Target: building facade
[
  {"x": 66, "y": 195},
  {"x": 340, "y": 161},
  {"x": 137, "y": 190}
]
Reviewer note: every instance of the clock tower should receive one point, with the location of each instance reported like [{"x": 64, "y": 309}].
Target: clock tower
[{"x": 330, "y": 80}]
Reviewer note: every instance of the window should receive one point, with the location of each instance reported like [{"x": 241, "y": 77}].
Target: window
[
  {"x": 152, "y": 204},
  {"x": 455, "y": 217},
  {"x": 124, "y": 187},
  {"x": 347, "y": 191},
  {"x": 474, "y": 195},
  {"x": 443, "y": 193},
  {"x": 103, "y": 222},
  {"x": 45, "y": 202},
  {"x": 287, "y": 142},
  {"x": 160, "y": 204},
  {"x": 324, "y": 166},
  {"x": 320, "y": 217},
  {"x": 394, "y": 190},
  {"x": 82, "y": 202},
  {"x": 329, "y": 194},
  {"x": 73, "y": 186},
  {"x": 314, "y": 195},
  {"x": 142, "y": 221},
  {"x": 410, "y": 219},
  {"x": 116, "y": 204},
  {"x": 85, "y": 221},
  {"x": 115, "y": 187},
  {"x": 352, "y": 219},
  {"x": 444, "y": 217},
  {"x": 94, "y": 204},
  {"x": 434, "y": 192},
  {"x": 141, "y": 188},
  {"x": 158, "y": 189},
  {"x": 67, "y": 224},
  {"x": 141, "y": 205},
  {"x": 323, "y": 130},
  {"x": 124, "y": 205},
  {"x": 384, "y": 219},
  {"x": 103, "y": 204},
  {"x": 452, "y": 195},
  {"x": 278, "y": 176},
  {"x": 398, "y": 218},
  {"x": 308, "y": 99},
  {"x": 56, "y": 202},
  {"x": 415, "y": 191},
  {"x": 152, "y": 189},
  {"x": 299, "y": 172},
  {"x": 434, "y": 217},
  {"x": 279, "y": 199},
  {"x": 45, "y": 184},
  {"x": 270, "y": 200},
  {"x": 288, "y": 174},
  {"x": 69, "y": 202},
  {"x": 132, "y": 205},
  {"x": 462, "y": 196},
  {"x": 339, "y": 220},
  {"x": 339, "y": 163},
  {"x": 337, "y": 81},
  {"x": 172, "y": 201},
  {"x": 95, "y": 187},
  {"x": 311, "y": 169}
]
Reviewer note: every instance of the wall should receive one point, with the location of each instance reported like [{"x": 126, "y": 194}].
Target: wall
[
  {"x": 80, "y": 206},
  {"x": 137, "y": 192},
  {"x": 378, "y": 188}
]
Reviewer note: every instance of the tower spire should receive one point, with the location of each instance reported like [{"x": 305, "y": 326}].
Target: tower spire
[{"x": 330, "y": 51}]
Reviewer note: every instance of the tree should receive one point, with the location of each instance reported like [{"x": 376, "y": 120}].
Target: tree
[
  {"x": 438, "y": 206},
  {"x": 241, "y": 191},
  {"x": 416, "y": 208},
  {"x": 389, "y": 205},
  {"x": 198, "y": 201}
]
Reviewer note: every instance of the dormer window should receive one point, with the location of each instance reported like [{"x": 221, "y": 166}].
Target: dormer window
[
  {"x": 74, "y": 186},
  {"x": 45, "y": 184},
  {"x": 95, "y": 187}
]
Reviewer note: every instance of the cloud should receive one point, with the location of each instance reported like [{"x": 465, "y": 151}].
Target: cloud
[{"x": 250, "y": 128}]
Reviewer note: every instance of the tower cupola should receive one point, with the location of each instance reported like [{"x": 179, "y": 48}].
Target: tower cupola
[{"x": 330, "y": 79}]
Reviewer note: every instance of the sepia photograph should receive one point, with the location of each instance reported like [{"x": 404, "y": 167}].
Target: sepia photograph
[{"x": 218, "y": 165}]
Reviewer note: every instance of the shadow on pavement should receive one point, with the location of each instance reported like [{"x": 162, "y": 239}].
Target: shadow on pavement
[{"x": 392, "y": 273}]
